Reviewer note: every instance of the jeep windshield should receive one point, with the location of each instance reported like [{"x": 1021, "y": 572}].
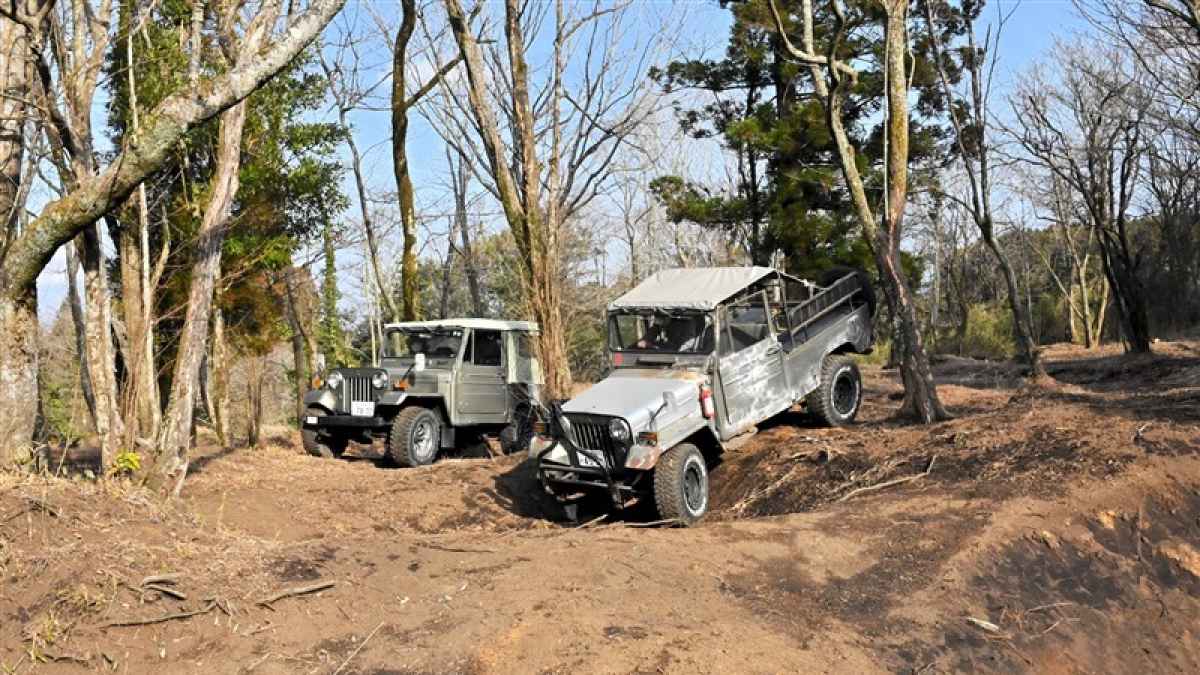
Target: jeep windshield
[
  {"x": 438, "y": 345},
  {"x": 658, "y": 332}
]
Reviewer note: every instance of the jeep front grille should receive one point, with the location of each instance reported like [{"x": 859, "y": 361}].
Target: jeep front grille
[
  {"x": 357, "y": 388},
  {"x": 590, "y": 432}
]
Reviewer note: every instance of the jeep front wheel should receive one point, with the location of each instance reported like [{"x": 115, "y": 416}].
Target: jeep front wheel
[
  {"x": 681, "y": 484},
  {"x": 839, "y": 396},
  {"x": 415, "y": 437},
  {"x": 327, "y": 445}
]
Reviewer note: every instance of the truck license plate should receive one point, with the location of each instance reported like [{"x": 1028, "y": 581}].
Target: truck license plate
[
  {"x": 586, "y": 461},
  {"x": 362, "y": 408}
]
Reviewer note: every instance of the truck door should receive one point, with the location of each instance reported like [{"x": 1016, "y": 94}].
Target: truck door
[
  {"x": 753, "y": 380},
  {"x": 482, "y": 392}
]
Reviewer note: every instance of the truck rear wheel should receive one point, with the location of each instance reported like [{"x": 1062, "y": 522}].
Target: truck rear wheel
[
  {"x": 839, "y": 396},
  {"x": 415, "y": 437},
  {"x": 681, "y": 484},
  {"x": 328, "y": 445}
]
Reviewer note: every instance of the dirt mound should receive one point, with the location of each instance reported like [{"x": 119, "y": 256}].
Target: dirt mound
[{"x": 1035, "y": 442}]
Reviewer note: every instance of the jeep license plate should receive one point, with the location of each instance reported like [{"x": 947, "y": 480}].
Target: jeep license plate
[
  {"x": 585, "y": 461},
  {"x": 362, "y": 408}
]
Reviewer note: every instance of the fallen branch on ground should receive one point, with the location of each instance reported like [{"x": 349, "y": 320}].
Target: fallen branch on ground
[
  {"x": 165, "y": 590},
  {"x": 655, "y": 523},
  {"x": 358, "y": 648},
  {"x": 591, "y": 522},
  {"x": 292, "y": 592},
  {"x": 890, "y": 483},
  {"x": 212, "y": 604},
  {"x": 451, "y": 549}
]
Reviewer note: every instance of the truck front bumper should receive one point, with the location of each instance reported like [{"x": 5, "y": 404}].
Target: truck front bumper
[
  {"x": 577, "y": 476},
  {"x": 344, "y": 421}
]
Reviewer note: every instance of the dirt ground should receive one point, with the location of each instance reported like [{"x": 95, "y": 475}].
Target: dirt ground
[{"x": 1053, "y": 528}]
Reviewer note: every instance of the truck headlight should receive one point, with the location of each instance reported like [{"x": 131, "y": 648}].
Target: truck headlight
[
  {"x": 619, "y": 430},
  {"x": 334, "y": 381},
  {"x": 379, "y": 380}
]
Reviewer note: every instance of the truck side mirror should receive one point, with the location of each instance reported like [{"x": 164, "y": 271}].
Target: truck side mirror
[{"x": 419, "y": 362}]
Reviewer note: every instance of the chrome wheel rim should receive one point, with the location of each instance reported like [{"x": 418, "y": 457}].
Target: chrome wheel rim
[{"x": 423, "y": 439}]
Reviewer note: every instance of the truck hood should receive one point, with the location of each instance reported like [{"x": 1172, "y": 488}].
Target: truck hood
[{"x": 637, "y": 396}]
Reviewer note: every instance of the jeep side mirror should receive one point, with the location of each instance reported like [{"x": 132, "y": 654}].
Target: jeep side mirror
[{"x": 419, "y": 362}]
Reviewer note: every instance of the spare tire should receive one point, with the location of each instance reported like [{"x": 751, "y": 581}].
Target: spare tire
[{"x": 867, "y": 290}]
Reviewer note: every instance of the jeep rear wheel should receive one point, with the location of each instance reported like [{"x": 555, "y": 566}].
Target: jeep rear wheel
[
  {"x": 681, "y": 484},
  {"x": 415, "y": 437},
  {"x": 839, "y": 396},
  {"x": 327, "y": 444}
]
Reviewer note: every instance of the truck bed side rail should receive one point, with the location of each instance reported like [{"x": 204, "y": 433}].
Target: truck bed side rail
[{"x": 808, "y": 312}]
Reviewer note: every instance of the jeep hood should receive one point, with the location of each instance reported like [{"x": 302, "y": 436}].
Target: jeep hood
[{"x": 637, "y": 396}]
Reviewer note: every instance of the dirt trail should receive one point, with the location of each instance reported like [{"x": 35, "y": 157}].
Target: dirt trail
[{"x": 1065, "y": 520}]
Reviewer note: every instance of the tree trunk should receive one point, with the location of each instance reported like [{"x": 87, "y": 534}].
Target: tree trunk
[
  {"x": 920, "y": 393},
  {"x": 447, "y": 266},
  {"x": 535, "y": 237},
  {"x": 18, "y": 374},
  {"x": 218, "y": 379},
  {"x": 459, "y": 184},
  {"x": 85, "y": 380},
  {"x": 301, "y": 359},
  {"x": 404, "y": 187},
  {"x": 174, "y": 438},
  {"x": 256, "y": 373},
  {"x": 98, "y": 344}
]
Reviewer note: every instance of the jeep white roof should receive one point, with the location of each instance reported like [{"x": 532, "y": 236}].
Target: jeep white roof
[
  {"x": 482, "y": 324},
  {"x": 695, "y": 288}
]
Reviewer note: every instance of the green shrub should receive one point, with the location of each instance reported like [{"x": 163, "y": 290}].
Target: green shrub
[{"x": 989, "y": 333}]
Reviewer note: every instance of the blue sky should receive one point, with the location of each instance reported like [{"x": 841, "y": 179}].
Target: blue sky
[{"x": 1032, "y": 29}]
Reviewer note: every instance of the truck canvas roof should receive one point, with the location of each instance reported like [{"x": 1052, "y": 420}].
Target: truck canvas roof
[
  {"x": 694, "y": 288},
  {"x": 482, "y": 324}
]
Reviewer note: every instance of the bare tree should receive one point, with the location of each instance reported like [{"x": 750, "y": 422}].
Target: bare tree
[
  {"x": 972, "y": 128},
  {"x": 402, "y": 103},
  {"x": 832, "y": 79},
  {"x": 563, "y": 137},
  {"x": 1083, "y": 130}
]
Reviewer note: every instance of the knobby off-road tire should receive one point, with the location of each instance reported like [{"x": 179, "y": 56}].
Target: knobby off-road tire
[
  {"x": 518, "y": 434},
  {"x": 329, "y": 446},
  {"x": 681, "y": 484},
  {"x": 839, "y": 396},
  {"x": 415, "y": 437}
]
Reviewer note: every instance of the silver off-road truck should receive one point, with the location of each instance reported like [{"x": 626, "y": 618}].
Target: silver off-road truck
[
  {"x": 435, "y": 378},
  {"x": 699, "y": 357}
]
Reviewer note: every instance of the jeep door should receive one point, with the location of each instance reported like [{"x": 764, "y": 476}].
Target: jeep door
[
  {"x": 481, "y": 390},
  {"x": 753, "y": 381}
]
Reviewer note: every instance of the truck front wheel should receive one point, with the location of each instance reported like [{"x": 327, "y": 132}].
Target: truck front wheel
[
  {"x": 328, "y": 445},
  {"x": 415, "y": 437},
  {"x": 839, "y": 396},
  {"x": 681, "y": 484}
]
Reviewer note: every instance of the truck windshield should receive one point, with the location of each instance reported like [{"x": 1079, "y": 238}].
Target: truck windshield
[
  {"x": 657, "y": 332},
  {"x": 434, "y": 344}
]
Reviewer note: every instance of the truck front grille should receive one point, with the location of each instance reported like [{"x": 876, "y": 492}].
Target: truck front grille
[
  {"x": 590, "y": 432},
  {"x": 357, "y": 388}
]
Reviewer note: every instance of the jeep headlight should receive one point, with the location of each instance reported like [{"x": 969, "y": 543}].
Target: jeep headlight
[
  {"x": 334, "y": 381},
  {"x": 379, "y": 380},
  {"x": 619, "y": 430}
]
